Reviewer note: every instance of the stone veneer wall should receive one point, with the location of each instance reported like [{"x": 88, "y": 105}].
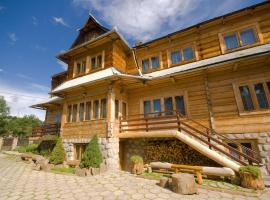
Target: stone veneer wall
[
  {"x": 109, "y": 148},
  {"x": 263, "y": 141}
]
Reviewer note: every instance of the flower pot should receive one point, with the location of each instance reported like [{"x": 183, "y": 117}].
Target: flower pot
[{"x": 137, "y": 168}]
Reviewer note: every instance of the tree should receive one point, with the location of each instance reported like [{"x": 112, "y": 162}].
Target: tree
[
  {"x": 4, "y": 109},
  {"x": 92, "y": 156},
  {"x": 58, "y": 154}
]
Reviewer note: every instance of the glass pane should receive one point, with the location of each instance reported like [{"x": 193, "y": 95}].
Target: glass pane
[
  {"x": 74, "y": 113},
  {"x": 88, "y": 111},
  {"x": 78, "y": 68},
  {"x": 116, "y": 105},
  {"x": 124, "y": 110},
  {"x": 145, "y": 65},
  {"x": 245, "y": 149},
  {"x": 248, "y": 37},
  {"x": 83, "y": 66},
  {"x": 93, "y": 62},
  {"x": 103, "y": 108},
  {"x": 81, "y": 112},
  {"x": 232, "y": 152},
  {"x": 146, "y": 107},
  {"x": 231, "y": 41},
  {"x": 180, "y": 105},
  {"x": 157, "y": 106},
  {"x": 188, "y": 53},
  {"x": 168, "y": 105},
  {"x": 69, "y": 113},
  {"x": 175, "y": 57},
  {"x": 261, "y": 97},
  {"x": 96, "y": 111},
  {"x": 99, "y": 61},
  {"x": 155, "y": 62},
  {"x": 246, "y": 98}
]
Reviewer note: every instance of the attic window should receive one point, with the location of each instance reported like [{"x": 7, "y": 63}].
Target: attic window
[
  {"x": 96, "y": 61},
  {"x": 151, "y": 63},
  {"x": 183, "y": 54},
  {"x": 80, "y": 67}
]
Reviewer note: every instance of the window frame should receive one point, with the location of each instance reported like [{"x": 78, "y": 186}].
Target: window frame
[
  {"x": 256, "y": 29},
  {"x": 95, "y": 56},
  {"x": 80, "y": 61},
  {"x": 251, "y": 84},
  {"x": 149, "y": 58},
  {"x": 181, "y": 49}
]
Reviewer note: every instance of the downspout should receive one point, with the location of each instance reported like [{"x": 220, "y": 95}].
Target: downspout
[{"x": 136, "y": 61}]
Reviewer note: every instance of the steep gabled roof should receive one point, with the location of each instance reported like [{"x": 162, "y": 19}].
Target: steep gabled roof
[{"x": 91, "y": 30}]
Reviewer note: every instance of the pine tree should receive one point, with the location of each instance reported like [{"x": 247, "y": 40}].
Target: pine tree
[
  {"x": 58, "y": 154},
  {"x": 92, "y": 156}
]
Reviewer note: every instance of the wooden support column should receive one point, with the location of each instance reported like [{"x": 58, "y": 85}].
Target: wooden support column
[
  {"x": 110, "y": 110},
  {"x": 209, "y": 103}
]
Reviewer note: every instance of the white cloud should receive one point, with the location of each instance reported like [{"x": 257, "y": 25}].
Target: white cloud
[
  {"x": 39, "y": 87},
  {"x": 142, "y": 19},
  {"x": 34, "y": 20},
  {"x": 23, "y": 76},
  {"x": 1, "y": 70},
  {"x": 63, "y": 65},
  {"x": 13, "y": 38},
  {"x": 19, "y": 101},
  {"x": 60, "y": 20}
]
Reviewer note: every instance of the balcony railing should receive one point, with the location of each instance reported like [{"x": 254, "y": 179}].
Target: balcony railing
[{"x": 46, "y": 129}]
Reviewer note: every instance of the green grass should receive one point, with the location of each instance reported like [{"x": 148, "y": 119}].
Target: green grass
[
  {"x": 136, "y": 159},
  {"x": 253, "y": 170},
  {"x": 29, "y": 148},
  {"x": 153, "y": 175},
  {"x": 68, "y": 170}
]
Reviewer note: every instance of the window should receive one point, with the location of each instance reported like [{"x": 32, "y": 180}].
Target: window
[
  {"x": 79, "y": 150},
  {"x": 184, "y": 54},
  {"x": 253, "y": 96},
  {"x": 81, "y": 112},
  {"x": 240, "y": 38},
  {"x": 168, "y": 105},
  {"x": 103, "y": 108},
  {"x": 155, "y": 62},
  {"x": 157, "y": 106},
  {"x": 83, "y": 66},
  {"x": 96, "y": 61},
  {"x": 116, "y": 109},
  {"x": 88, "y": 111},
  {"x": 74, "y": 113},
  {"x": 246, "y": 98},
  {"x": 260, "y": 94},
  {"x": 96, "y": 109},
  {"x": 124, "y": 110},
  {"x": 150, "y": 63},
  {"x": 176, "y": 57},
  {"x": 78, "y": 68},
  {"x": 69, "y": 112},
  {"x": 146, "y": 107},
  {"x": 248, "y": 36},
  {"x": 180, "y": 105}
]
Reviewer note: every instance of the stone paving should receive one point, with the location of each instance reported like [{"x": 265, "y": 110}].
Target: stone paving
[{"x": 19, "y": 181}]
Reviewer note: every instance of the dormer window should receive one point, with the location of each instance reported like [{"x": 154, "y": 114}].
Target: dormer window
[
  {"x": 96, "y": 61},
  {"x": 151, "y": 63},
  {"x": 183, "y": 54},
  {"x": 239, "y": 38},
  {"x": 80, "y": 67}
]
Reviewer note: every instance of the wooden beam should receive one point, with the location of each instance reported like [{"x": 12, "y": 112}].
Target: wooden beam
[{"x": 209, "y": 103}]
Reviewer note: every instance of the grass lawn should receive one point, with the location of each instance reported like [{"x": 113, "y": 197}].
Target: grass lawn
[{"x": 69, "y": 170}]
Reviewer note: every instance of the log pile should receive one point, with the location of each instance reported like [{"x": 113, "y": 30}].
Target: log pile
[{"x": 174, "y": 151}]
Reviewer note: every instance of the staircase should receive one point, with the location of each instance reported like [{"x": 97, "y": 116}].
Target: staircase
[{"x": 191, "y": 132}]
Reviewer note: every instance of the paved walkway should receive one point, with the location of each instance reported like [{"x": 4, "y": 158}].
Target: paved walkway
[{"x": 19, "y": 181}]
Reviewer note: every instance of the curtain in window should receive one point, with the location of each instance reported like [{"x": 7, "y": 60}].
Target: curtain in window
[
  {"x": 168, "y": 104},
  {"x": 231, "y": 41},
  {"x": 157, "y": 106},
  {"x": 188, "y": 53},
  {"x": 248, "y": 37},
  {"x": 261, "y": 97},
  {"x": 175, "y": 57},
  {"x": 147, "y": 107},
  {"x": 180, "y": 105},
  {"x": 155, "y": 62},
  {"x": 145, "y": 65},
  {"x": 246, "y": 98}
]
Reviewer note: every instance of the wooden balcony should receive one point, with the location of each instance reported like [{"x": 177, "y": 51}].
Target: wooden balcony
[{"x": 46, "y": 129}]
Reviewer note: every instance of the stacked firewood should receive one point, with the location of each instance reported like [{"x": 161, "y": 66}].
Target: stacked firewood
[{"x": 174, "y": 151}]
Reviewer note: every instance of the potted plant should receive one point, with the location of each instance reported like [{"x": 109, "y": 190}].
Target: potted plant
[
  {"x": 137, "y": 166},
  {"x": 250, "y": 177}
]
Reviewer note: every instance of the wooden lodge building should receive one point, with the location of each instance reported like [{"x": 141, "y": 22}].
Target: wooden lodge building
[{"x": 208, "y": 85}]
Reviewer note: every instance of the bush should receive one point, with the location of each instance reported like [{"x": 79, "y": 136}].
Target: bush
[
  {"x": 253, "y": 170},
  {"x": 136, "y": 159},
  {"x": 92, "y": 156},
  {"x": 29, "y": 148},
  {"x": 58, "y": 154}
]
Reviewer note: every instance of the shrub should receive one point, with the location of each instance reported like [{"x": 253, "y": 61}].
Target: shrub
[
  {"x": 92, "y": 156},
  {"x": 58, "y": 154},
  {"x": 28, "y": 148},
  {"x": 253, "y": 170},
  {"x": 136, "y": 159}
]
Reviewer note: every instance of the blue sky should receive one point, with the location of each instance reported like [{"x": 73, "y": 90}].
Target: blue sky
[{"x": 33, "y": 32}]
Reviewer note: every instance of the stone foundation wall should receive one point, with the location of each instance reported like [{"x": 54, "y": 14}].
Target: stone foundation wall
[
  {"x": 165, "y": 150},
  {"x": 109, "y": 148}
]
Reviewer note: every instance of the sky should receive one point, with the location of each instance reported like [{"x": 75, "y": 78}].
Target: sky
[{"x": 33, "y": 32}]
